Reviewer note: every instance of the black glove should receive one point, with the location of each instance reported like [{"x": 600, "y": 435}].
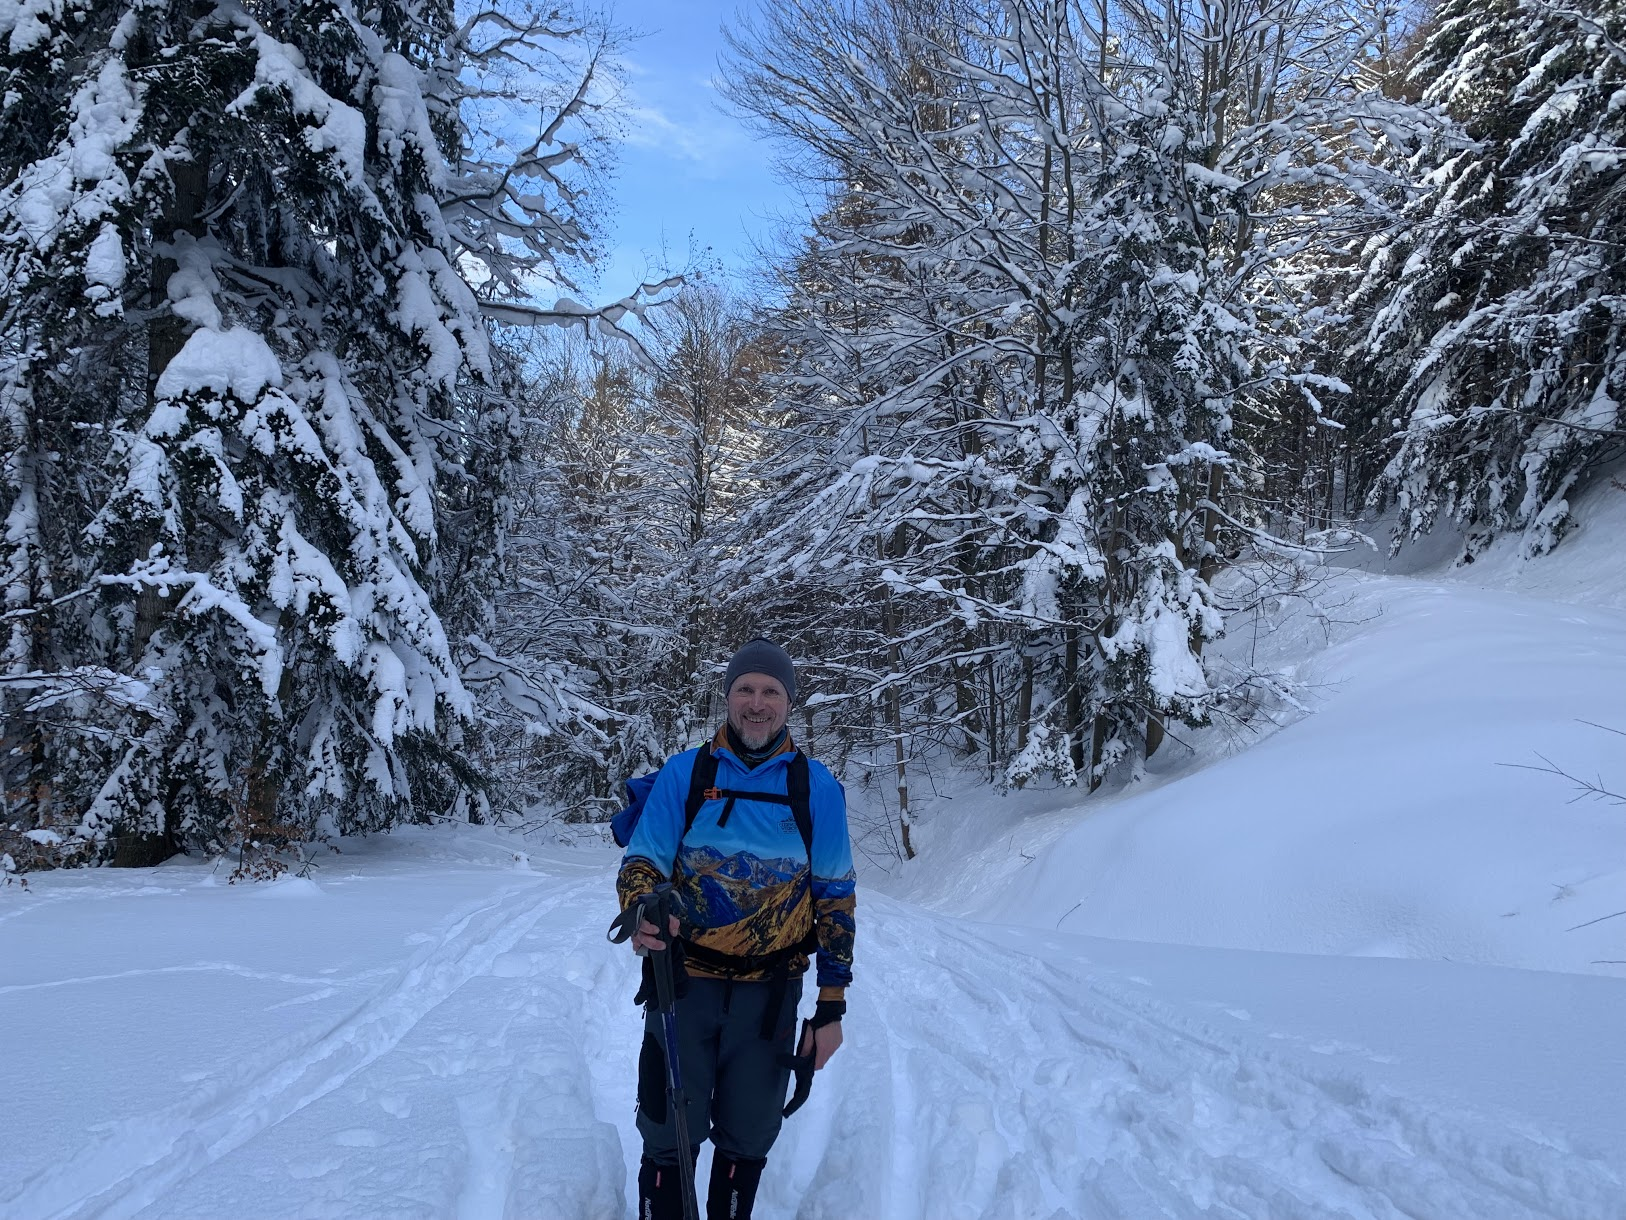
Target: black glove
[
  {"x": 801, "y": 1067},
  {"x": 825, "y": 1012}
]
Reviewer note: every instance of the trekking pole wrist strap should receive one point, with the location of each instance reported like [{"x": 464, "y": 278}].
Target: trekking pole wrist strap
[
  {"x": 626, "y": 923},
  {"x": 828, "y": 1012},
  {"x": 652, "y": 907}
]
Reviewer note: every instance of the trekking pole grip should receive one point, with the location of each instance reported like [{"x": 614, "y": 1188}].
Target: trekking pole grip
[{"x": 659, "y": 907}]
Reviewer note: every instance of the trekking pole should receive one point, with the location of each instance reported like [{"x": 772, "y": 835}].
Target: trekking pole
[
  {"x": 677, "y": 1101},
  {"x": 657, "y": 909}
]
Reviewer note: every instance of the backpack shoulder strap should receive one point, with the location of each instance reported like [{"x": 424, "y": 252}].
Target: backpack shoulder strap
[
  {"x": 799, "y": 788},
  {"x": 703, "y": 777}
]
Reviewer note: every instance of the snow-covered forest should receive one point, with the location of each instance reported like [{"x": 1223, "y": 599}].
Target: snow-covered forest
[
  {"x": 311, "y": 530},
  {"x": 308, "y": 532},
  {"x": 1119, "y": 354}
]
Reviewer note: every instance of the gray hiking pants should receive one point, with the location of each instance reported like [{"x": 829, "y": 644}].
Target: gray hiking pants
[{"x": 731, "y": 1073}]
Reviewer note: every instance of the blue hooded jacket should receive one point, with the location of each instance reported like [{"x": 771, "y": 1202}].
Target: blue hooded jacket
[{"x": 744, "y": 881}]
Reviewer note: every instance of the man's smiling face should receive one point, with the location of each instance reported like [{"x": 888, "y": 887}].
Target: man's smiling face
[{"x": 757, "y": 709}]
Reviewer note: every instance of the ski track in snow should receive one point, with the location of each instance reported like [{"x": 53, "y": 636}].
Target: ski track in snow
[
  {"x": 136, "y": 1161},
  {"x": 1009, "y": 1087},
  {"x": 324, "y": 982},
  {"x": 492, "y": 1077}
]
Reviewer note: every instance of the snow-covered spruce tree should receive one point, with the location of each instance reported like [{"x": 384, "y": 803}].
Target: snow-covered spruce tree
[
  {"x": 1488, "y": 356},
  {"x": 928, "y": 324},
  {"x": 247, "y": 394},
  {"x": 1069, "y": 245},
  {"x": 585, "y": 624},
  {"x": 558, "y": 642},
  {"x": 1236, "y": 143}
]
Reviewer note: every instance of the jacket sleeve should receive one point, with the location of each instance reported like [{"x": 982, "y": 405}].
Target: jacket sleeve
[
  {"x": 654, "y": 846},
  {"x": 834, "y": 899}
]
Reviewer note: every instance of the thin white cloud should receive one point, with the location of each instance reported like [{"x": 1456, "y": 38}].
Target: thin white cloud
[
  {"x": 702, "y": 140},
  {"x": 690, "y": 129}
]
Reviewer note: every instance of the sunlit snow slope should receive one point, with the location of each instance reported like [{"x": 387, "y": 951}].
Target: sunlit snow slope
[{"x": 1399, "y": 820}]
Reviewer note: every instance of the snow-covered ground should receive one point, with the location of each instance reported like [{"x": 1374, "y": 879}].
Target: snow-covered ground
[
  {"x": 1338, "y": 971},
  {"x": 1402, "y": 819},
  {"x": 1399, "y": 820}
]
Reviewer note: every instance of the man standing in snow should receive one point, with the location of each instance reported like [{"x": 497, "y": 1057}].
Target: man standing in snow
[{"x": 757, "y": 891}]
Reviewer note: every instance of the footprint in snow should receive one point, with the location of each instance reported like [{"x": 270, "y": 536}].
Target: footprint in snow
[
  {"x": 359, "y": 1137},
  {"x": 312, "y": 1169}
]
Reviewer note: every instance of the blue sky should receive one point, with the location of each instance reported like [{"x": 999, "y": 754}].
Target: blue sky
[{"x": 687, "y": 166}]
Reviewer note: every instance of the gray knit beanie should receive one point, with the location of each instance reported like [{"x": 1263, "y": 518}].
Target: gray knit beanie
[{"x": 762, "y": 657}]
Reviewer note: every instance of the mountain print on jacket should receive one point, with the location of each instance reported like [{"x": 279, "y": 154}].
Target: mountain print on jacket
[
  {"x": 746, "y": 884},
  {"x": 747, "y": 906}
]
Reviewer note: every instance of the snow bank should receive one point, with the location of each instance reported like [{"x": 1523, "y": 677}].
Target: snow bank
[
  {"x": 1587, "y": 568},
  {"x": 1395, "y": 821},
  {"x": 1388, "y": 823}
]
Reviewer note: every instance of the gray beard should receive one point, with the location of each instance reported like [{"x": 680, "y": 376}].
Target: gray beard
[{"x": 754, "y": 740}]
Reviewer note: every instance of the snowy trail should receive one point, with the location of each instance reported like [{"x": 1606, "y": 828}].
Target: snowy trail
[
  {"x": 983, "y": 1084},
  {"x": 491, "y": 1076},
  {"x": 1401, "y": 1010},
  {"x": 137, "y": 1161}
]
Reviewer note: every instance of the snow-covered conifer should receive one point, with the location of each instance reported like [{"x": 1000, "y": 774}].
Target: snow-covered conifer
[
  {"x": 254, "y": 438},
  {"x": 1039, "y": 316},
  {"x": 633, "y": 463},
  {"x": 1488, "y": 352}
]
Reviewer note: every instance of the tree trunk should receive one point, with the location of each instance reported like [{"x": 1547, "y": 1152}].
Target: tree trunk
[
  {"x": 263, "y": 792},
  {"x": 1098, "y": 744},
  {"x": 894, "y": 707},
  {"x": 1075, "y": 702},
  {"x": 1024, "y": 705},
  {"x": 966, "y": 708},
  {"x": 994, "y": 726},
  {"x": 1209, "y": 566},
  {"x": 903, "y": 786},
  {"x": 1154, "y": 733}
]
